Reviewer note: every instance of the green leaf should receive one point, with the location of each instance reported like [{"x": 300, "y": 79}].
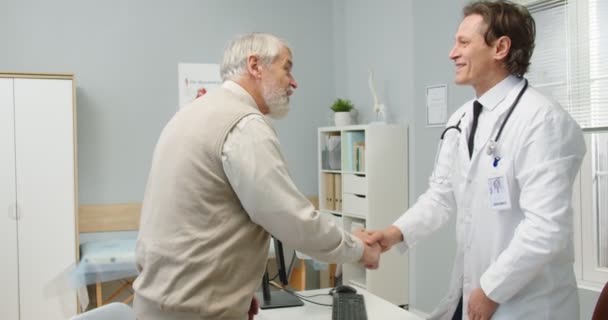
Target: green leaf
[{"x": 342, "y": 105}]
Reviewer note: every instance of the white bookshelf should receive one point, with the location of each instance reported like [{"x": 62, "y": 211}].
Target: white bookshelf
[{"x": 372, "y": 194}]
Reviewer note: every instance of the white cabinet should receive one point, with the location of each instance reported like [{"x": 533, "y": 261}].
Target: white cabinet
[
  {"x": 37, "y": 195},
  {"x": 363, "y": 181}
]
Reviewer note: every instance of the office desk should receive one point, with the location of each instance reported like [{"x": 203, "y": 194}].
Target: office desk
[{"x": 377, "y": 309}]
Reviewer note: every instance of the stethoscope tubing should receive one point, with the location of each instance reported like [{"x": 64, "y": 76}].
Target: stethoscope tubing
[
  {"x": 456, "y": 126},
  {"x": 502, "y": 126},
  {"x": 515, "y": 103}
]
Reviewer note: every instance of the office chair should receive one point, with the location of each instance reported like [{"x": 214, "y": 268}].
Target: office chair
[
  {"x": 601, "y": 307},
  {"x": 111, "y": 311}
]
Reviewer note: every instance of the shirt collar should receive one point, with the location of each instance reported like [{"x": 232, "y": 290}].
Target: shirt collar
[
  {"x": 240, "y": 92},
  {"x": 499, "y": 92}
]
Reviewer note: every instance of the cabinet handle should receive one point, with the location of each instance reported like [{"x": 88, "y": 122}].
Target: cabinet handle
[
  {"x": 12, "y": 211},
  {"x": 17, "y": 212}
]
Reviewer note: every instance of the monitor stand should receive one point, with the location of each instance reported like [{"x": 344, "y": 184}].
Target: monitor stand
[{"x": 275, "y": 299}]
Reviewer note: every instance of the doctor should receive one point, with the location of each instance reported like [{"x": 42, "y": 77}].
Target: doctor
[{"x": 506, "y": 171}]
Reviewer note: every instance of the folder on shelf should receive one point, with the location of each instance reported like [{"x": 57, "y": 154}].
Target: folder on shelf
[
  {"x": 329, "y": 191},
  {"x": 338, "y": 192}
]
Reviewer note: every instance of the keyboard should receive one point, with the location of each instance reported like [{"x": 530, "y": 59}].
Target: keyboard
[{"x": 348, "y": 306}]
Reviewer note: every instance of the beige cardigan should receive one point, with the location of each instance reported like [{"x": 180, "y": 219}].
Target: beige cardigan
[{"x": 198, "y": 251}]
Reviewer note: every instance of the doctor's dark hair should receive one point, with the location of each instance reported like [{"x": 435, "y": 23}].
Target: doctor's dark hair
[{"x": 505, "y": 18}]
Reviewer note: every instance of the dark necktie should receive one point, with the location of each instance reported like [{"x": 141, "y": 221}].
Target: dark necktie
[{"x": 476, "y": 111}]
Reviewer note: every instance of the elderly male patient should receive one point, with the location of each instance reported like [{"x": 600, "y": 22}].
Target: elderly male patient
[{"x": 219, "y": 186}]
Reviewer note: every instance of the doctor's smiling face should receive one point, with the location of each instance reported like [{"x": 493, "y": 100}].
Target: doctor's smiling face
[{"x": 477, "y": 63}]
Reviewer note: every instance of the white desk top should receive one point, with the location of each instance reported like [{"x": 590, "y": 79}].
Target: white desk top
[{"x": 377, "y": 309}]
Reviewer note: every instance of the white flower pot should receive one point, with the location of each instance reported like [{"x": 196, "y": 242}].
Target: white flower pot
[{"x": 343, "y": 119}]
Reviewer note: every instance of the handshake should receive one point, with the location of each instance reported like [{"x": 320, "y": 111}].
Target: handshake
[{"x": 377, "y": 242}]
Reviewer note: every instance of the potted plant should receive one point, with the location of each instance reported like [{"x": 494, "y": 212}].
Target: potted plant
[{"x": 342, "y": 109}]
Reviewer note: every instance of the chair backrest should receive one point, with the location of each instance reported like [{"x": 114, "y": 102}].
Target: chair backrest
[
  {"x": 111, "y": 311},
  {"x": 601, "y": 307}
]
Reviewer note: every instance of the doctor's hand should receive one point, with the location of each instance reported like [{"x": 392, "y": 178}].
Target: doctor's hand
[
  {"x": 253, "y": 308},
  {"x": 371, "y": 253},
  {"x": 480, "y": 306},
  {"x": 386, "y": 238}
]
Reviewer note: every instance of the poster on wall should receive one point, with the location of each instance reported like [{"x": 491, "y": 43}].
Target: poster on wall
[
  {"x": 196, "y": 79},
  {"x": 436, "y": 105}
]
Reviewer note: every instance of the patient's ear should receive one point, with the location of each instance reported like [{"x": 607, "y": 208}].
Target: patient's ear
[{"x": 254, "y": 66}]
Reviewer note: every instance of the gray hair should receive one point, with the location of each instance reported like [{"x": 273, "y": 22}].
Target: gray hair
[{"x": 263, "y": 45}]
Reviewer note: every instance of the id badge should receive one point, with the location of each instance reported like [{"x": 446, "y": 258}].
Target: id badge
[{"x": 498, "y": 188}]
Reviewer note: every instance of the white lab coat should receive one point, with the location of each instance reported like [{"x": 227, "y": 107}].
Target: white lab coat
[{"x": 521, "y": 257}]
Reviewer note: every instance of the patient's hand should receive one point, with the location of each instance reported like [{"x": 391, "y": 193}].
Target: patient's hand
[
  {"x": 253, "y": 308},
  {"x": 371, "y": 252}
]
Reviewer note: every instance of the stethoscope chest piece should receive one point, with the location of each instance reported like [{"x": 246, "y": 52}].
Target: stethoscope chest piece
[
  {"x": 493, "y": 143},
  {"x": 491, "y": 148}
]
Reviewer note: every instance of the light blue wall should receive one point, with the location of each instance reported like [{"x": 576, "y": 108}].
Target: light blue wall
[
  {"x": 376, "y": 35},
  {"x": 124, "y": 55}
]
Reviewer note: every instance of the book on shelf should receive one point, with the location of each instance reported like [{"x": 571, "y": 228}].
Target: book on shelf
[
  {"x": 351, "y": 138},
  {"x": 328, "y": 179},
  {"x": 359, "y": 156}
]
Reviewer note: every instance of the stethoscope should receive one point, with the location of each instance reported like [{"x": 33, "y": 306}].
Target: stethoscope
[{"x": 493, "y": 144}]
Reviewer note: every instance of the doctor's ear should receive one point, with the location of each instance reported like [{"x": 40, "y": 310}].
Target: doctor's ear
[
  {"x": 254, "y": 66},
  {"x": 502, "y": 46}
]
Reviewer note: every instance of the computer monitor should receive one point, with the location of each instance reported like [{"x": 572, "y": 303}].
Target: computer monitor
[{"x": 278, "y": 298}]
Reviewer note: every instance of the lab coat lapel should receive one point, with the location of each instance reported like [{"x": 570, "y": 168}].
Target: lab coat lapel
[
  {"x": 463, "y": 149},
  {"x": 495, "y": 116},
  {"x": 464, "y": 161},
  {"x": 482, "y": 141}
]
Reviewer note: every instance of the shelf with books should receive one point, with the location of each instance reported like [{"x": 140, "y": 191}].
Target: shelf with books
[
  {"x": 351, "y": 215},
  {"x": 367, "y": 186},
  {"x": 331, "y": 171},
  {"x": 354, "y": 172}
]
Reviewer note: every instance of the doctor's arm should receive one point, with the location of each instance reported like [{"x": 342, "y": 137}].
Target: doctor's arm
[{"x": 546, "y": 167}]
